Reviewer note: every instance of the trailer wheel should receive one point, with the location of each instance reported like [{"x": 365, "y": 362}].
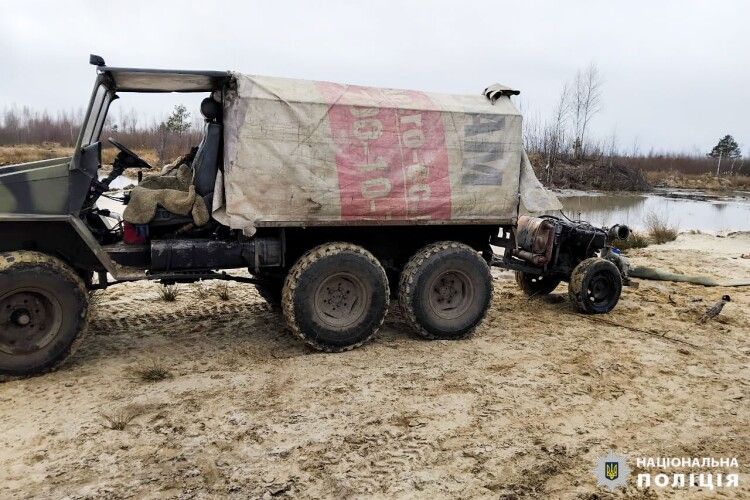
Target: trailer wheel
[
  {"x": 536, "y": 284},
  {"x": 43, "y": 313},
  {"x": 335, "y": 297},
  {"x": 445, "y": 290},
  {"x": 595, "y": 286}
]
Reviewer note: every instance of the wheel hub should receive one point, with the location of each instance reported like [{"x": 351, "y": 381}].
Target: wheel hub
[
  {"x": 20, "y": 317},
  {"x": 29, "y": 321},
  {"x": 340, "y": 300},
  {"x": 451, "y": 294},
  {"x": 600, "y": 288}
]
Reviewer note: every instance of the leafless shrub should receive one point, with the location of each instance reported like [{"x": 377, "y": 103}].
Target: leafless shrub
[
  {"x": 201, "y": 290},
  {"x": 169, "y": 293},
  {"x": 151, "y": 371},
  {"x": 659, "y": 228},
  {"x": 118, "y": 420},
  {"x": 222, "y": 290}
]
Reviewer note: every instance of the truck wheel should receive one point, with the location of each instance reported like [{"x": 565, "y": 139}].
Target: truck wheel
[
  {"x": 595, "y": 286},
  {"x": 536, "y": 284},
  {"x": 335, "y": 297},
  {"x": 43, "y": 312},
  {"x": 445, "y": 290}
]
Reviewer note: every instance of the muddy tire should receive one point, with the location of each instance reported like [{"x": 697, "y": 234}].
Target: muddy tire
[
  {"x": 335, "y": 297},
  {"x": 43, "y": 313},
  {"x": 534, "y": 284},
  {"x": 595, "y": 286},
  {"x": 445, "y": 290}
]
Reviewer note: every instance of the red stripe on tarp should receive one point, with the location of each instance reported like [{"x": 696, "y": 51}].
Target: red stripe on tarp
[{"x": 391, "y": 162}]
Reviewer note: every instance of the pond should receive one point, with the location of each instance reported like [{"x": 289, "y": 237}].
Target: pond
[{"x": 686, "y": 209}]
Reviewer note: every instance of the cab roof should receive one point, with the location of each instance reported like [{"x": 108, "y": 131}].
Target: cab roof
[{"x": 163, "y": 80}]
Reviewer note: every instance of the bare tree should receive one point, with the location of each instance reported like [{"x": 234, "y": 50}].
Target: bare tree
[
  {"x": 586, "y": 102},
  {"x": 636, "y": 150},
  {"x": 612, "y": 150},
  {"x": 555, "y": 131}
]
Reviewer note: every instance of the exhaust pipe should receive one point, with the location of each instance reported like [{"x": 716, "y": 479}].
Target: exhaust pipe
[{"x": 618, "y": 232}]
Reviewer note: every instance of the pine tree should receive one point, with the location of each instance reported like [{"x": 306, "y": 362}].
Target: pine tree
[
  {"x": 179, "y": 120},
  {"x": 727, "y": 147},
  {"x": 176, "y": 123}
]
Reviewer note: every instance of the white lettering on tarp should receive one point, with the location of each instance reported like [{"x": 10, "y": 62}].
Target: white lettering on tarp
[{"x": 481, "y": 165}]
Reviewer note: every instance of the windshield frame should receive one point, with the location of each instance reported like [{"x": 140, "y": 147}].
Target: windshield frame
[
  {"x": 96, "y": 113},
  {"x": 93, "y": 121}
]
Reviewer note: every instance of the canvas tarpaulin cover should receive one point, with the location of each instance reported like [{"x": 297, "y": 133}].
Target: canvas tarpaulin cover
[{"x": 307, "y": 153}]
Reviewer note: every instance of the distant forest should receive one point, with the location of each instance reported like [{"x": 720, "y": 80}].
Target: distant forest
[{"x": 173, "y": 136}]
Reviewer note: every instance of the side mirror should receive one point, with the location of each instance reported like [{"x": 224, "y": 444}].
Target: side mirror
[{"x": 96, "y": 60}]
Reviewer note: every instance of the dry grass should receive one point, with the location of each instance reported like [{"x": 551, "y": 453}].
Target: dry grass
[
  {"x": 118, "y": 420},
  {"x": 169, "y": 293},
  {"x": 660, "y": 230},
  {"x": 201, "y": 290},
  {"x": 222, "y": 290},
  {"x": 635, "y": 240},
  {"x": 23, "y": 153},
  {"x": 152, "y": 371}
]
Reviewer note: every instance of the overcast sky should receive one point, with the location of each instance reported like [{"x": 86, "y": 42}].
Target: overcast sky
[{"x": 677, "y": 73}]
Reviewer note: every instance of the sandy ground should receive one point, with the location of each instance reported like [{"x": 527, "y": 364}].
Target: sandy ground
[{"x": 522, "y": 409}]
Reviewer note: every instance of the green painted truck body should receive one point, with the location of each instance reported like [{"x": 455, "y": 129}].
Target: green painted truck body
[{"x": 40, "y": 187}]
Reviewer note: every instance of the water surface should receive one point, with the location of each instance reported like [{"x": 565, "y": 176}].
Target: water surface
[{"x": 683, "y": 208}]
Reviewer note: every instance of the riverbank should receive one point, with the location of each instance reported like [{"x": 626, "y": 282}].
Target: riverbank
[
  {"x": 617, "y": 175},
  {"x": 523, "y": 409},
  {"x": 598, "y": 175},
  {"x": 704, "y": 182}
]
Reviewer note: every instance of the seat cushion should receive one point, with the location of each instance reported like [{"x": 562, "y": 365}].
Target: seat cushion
[
  {"x": 163, "y": 217},
  {"x": 207, "y": 160}
]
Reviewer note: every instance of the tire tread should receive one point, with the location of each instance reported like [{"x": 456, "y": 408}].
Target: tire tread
[
  {"x": 407, "y": 286},
  {"x": 31, "y": 260},
  {"x": 575, "y": 285},
  {"x": 292, "y": 280}
]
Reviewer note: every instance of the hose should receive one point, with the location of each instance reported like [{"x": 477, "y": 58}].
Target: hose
[{"x": 649, "y": 273}]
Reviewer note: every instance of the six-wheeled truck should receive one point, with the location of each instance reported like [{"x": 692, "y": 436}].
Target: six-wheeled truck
[{"x": 336, "y": 198}]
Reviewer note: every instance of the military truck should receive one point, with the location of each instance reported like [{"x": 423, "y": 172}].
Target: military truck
[{"x": 336, "y": 198}]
